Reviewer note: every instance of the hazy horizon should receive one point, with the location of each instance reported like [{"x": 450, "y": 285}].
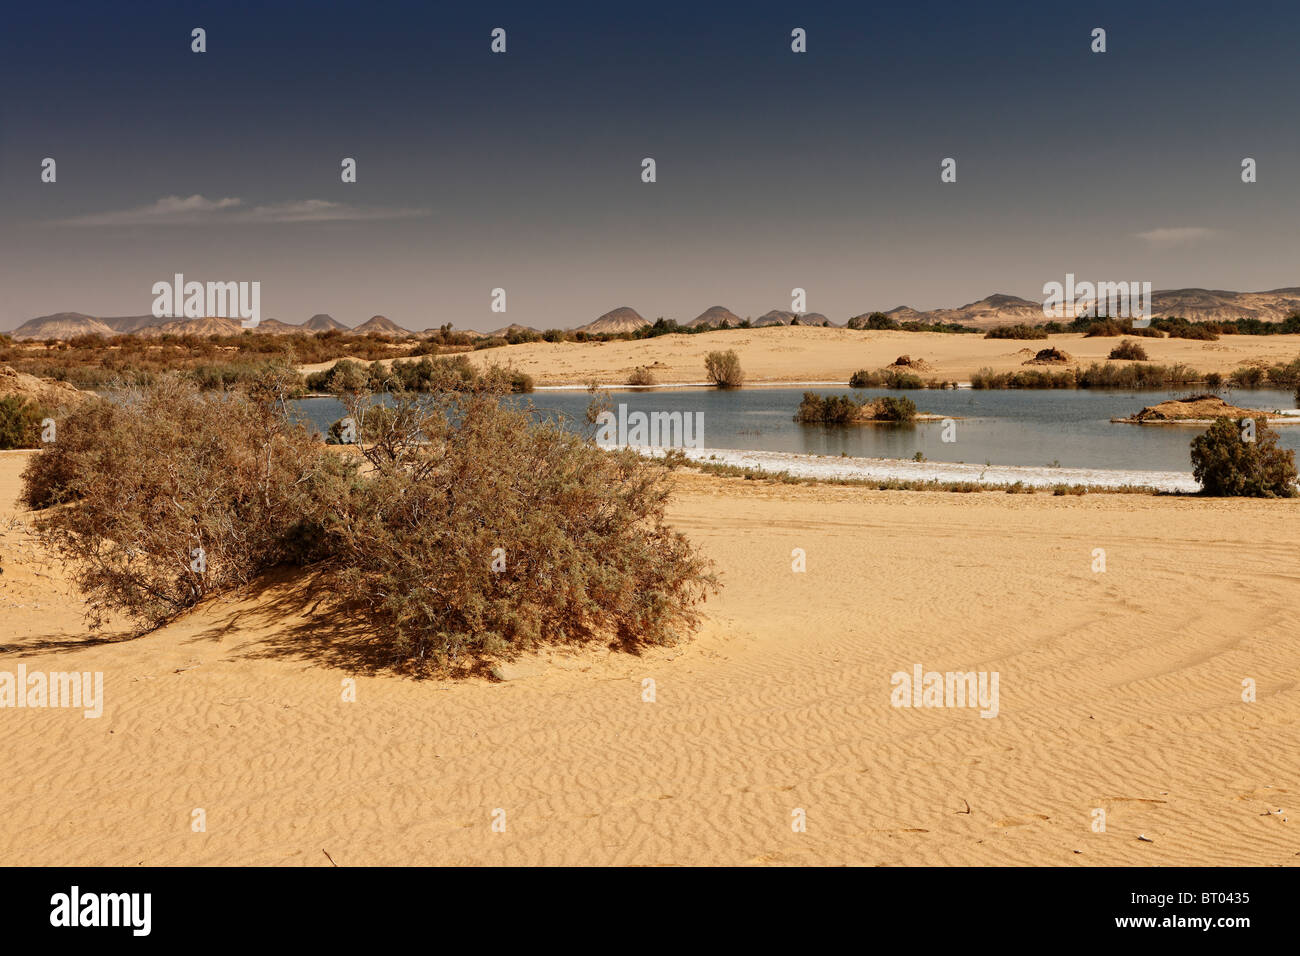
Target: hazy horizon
[{"x": 522, "y": 170}]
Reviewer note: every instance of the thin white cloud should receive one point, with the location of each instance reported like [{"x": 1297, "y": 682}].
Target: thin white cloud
[
  {"x": 196, "y": 209},
  {"x": 1174, "y": 236},
  {"x": 321, "y": 210}
]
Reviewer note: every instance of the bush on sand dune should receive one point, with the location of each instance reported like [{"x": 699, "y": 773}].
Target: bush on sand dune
[
  {"x": 496, "y": 533},
  {"x": 174, "y": 493},
  {"x": 465, "y": 527}
]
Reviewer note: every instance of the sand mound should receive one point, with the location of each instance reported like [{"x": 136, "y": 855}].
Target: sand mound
[
  {"x": 1197, "y": 407},
  {"x": 1051, "y": 356},
  {"x": 45, "y": 390},
  {"x": 916, "y": 365}
]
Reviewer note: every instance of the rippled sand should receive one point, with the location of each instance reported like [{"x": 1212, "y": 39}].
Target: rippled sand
[{"x": 1119, "y": 691}]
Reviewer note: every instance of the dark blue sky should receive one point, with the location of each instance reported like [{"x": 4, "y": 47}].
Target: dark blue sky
[{"x": 775, "y": 170}]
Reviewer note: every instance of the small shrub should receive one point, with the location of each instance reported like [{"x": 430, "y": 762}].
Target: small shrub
[
  {"x": 1129, "y": 351},
  {"x": 833, "y": 410},
  {"x": 641, "y": 376},
  {"x": 1194, "y": 330},
  {"x": 875, "y": 321},
  {"x": 894, "y": 409},
  {"x": 842, "y": 410},
  {"x": 1248, "y": 376},
  {"x": 723, "y": 369},
  {"x": 890, "y": 378},
  {"x": 20, "y": 422},
  {"x": 1104, "y": 327},
  {"x": 1018, "y": 331},
  {"x": 1228, "y": 466}
]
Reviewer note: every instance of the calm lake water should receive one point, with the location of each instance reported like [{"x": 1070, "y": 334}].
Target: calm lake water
[{"x": 1014, "y": 427}]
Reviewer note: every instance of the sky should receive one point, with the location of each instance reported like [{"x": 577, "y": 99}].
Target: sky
[{"x": 523, "y": 170}]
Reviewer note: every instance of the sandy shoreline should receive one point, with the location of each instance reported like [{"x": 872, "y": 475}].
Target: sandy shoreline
[{"x": 1119, "y": 691}]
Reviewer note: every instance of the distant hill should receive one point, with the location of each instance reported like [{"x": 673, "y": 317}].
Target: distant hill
[
  {"x": 715, "y": 317},
  {"x": 213, "y": 325},
  {"x": 903, "y": 313},
  {"x": 61, "y": 325},
  {"x": 622, "y": 319},
  {"x": 996, "y": 309},
  {"x": 320, "y": 322},
  {"x": 1207, "y": 305},
  {"x": 512, "y": 327},
  {"x": 775, "y": 317},
  {"x": 380, "y": 324},
  {"x": 1197, "y": 305},
  {"x": 276, "y": 327},
  {"x": 126, "y": 324}
]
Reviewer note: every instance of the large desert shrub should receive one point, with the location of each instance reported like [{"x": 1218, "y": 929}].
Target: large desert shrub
[
  {"x": 1227, "y": 465},
  {"x": 641, "y": 375},
  {"x": 481, "y": 530},
  {"x": 724, "y": 369},
  {"x": 175, "y": 493}
]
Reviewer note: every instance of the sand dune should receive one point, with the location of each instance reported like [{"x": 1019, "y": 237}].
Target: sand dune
[
  {"x": 801, "y": 354},
  {"x": 1118, "y": 691}
]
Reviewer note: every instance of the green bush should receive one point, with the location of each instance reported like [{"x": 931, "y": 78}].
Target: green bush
[
  {"x": 723, "y": 369},
  {"x": 1104, "y": 327},
  {"x": 1194, "y": 330},
  {"x": 1129, "y": 351},
  {"x": 833, "y": 410},
  {"x": 894, "y": 409},
  {"x": 1248, "y": 376},
  {"x": 20, "y": 422},
  {"x": 843, "y": 410},
  {"x": 1018, "y": 331},
  {"x": 887, "y": 378},
  {"x": 1227, "y": 465},
  {"x": 876, "y": 321}
]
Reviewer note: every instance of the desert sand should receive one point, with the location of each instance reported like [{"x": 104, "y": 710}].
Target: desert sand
[
  {"x": 1119, "y": 691},
  {"x": 805, "y": 354}
]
